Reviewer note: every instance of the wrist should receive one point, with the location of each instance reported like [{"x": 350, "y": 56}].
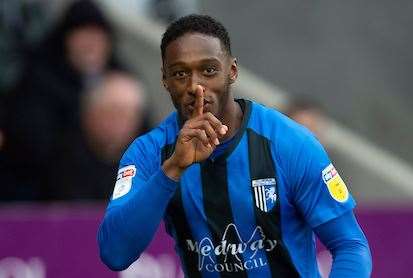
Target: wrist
[{"x": 172, "y": 170}]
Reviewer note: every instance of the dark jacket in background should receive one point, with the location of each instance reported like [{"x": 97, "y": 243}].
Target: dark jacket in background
[{"x": 42, "y": 112}]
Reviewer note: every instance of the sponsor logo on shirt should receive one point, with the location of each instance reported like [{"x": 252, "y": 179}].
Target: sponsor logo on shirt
[
  {"x": 128, "y": 171},
  {"x": 124, "y": 181},
  {"x": 265, "y": 194},
  {"x": 207, "y": 251},
  {"x": 335, "y": 184}
]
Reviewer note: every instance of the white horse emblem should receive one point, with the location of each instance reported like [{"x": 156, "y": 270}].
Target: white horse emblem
[
  {"x": 265, "y": 193},
  {"x": 270, "y": 194}
]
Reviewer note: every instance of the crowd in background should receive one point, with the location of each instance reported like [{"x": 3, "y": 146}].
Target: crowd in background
[
  {"x": 74, "y": 108},
  {"x": 70, "y": 114}
]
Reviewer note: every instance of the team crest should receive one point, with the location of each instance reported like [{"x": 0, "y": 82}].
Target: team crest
[{"x": 265, "y": 193}]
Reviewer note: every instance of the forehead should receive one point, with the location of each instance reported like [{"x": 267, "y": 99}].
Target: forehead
[{"x": 193, "y": 47}]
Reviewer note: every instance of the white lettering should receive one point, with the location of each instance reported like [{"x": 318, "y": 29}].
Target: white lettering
[
  {"x": 219, "y": 267},
  {"x": 206, "y": 250},
  {"x": 18, "y": 268},
  {"x": 246, "y": 264},
  {"x": 229, "y": 267},
  {"x": 272, "y": 244},
  {"x": 220, "y": 250},
  {"x": 261, "y": 262},
  {"x": 192, "y": 246},
  {"x": 235, "y": 267},
  {"x": 238, "y": 267},
  {"x": 209, "y": 267},
  {"x": 257, "y": 245}
]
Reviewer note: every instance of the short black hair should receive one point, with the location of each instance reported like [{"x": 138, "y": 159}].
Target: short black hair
[{"x": 195, "y": 23}]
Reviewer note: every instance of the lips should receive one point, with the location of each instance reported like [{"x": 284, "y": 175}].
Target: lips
[{"x": 190, "y": 105}]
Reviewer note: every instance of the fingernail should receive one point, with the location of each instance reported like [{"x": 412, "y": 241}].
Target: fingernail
[
  {"x": 223, "y": 129},
  {"x": 216, "y": 141}
]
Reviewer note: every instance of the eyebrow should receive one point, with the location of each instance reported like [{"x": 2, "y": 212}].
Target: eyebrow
[{"x": 206, "y": 60}]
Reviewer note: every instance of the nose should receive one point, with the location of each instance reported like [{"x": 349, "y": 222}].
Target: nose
[{"x": 194, "y": 81}]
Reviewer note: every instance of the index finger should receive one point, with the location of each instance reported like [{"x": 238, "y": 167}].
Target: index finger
[{"x": 199, "y": 101}]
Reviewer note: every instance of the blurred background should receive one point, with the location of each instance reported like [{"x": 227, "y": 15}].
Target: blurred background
[{"x": 80, "y": 79}]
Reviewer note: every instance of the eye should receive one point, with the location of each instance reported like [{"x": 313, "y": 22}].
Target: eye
[
  {"x": 209, "y": 71},
  {"x": 179, "y": 74}
]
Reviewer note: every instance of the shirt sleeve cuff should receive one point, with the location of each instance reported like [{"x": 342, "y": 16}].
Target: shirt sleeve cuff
[{"x": 167, "y": 183}]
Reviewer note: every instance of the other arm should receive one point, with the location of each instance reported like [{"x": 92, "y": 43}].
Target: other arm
[
  {"x": 348, "y": 245},
  {"x": 131, "y": 220}
]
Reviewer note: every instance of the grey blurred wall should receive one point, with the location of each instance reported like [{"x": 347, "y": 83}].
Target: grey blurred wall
[{"x": 353, "y": 56}]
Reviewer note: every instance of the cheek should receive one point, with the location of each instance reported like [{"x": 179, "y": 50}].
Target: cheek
[
  {"x": 219, "y": 88},
  {"x": 176, "y": 92}
]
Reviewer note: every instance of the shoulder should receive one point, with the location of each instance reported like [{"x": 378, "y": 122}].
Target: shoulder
[
  {"x": 151, "y": 143},
  {"x": 277, "y": 127},
  {"x": 293, "y": 146}
]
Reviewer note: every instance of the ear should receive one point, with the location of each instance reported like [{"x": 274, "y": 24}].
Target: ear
[
  {"x": 163, "y": 81},
  {"x": 233, "y": 75}
]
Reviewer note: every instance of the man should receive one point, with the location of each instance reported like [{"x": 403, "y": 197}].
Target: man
[
  {"x": 42, "y": 110},
  {"x": 310, "y": 114},
  {"x": 241, "y": 188},
  {"x": 111, "y": 114}
]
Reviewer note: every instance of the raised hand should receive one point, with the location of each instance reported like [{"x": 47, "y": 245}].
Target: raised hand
[{"x": 197, "y": 139}]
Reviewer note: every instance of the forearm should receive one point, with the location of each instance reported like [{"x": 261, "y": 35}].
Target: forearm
[
  {"x": 348, "y": 246},
  {"x": 127, "y": 229},
  {"x": 352, "y": 259}
]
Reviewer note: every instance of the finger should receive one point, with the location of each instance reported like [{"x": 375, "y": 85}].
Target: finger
[
  {"x": 200, "y": 134},
  {"x": 209, "y": 130},
  {"x": 220, "y": 128},
  {"x": 199, "y": 101}
]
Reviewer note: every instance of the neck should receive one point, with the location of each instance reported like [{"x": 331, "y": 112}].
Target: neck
[{"x": 232, "y": 118}]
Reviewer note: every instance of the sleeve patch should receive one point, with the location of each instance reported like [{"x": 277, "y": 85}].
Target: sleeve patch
[
  {"x": 335, "y": 184},
  {"x": 124, "y": 181}
]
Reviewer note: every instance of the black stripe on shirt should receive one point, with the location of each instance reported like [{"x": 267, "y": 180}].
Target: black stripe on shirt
[
  {"x": 218, "y": 211},
  {"x": 176, "y": 213},
  {"x": 262, "y": 166}
]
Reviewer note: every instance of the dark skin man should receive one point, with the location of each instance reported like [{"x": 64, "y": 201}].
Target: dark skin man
[{"x": 197, "y": 72}]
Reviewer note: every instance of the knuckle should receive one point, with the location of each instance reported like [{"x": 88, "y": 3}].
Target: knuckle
[
  {"x": 209, "y": 115},
  {"x": 205, "y": 123}
]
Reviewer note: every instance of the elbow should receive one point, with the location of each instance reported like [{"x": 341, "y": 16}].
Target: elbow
[
  {"x": 362, "y": 248},
  {"x": 115, "y": 255},
  {"x": 114, "y": 261},
  {"x": 354, "y": 257}
]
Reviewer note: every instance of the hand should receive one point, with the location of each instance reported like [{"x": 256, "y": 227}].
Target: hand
[{"x": 197, "y": 139}]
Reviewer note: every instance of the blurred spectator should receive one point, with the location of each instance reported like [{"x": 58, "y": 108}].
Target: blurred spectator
[
  {"x": 43, "y": 109},
  {"x": 310, "y": 114},
  {"x": 22, "y": 23},
  {"x": 112, "y": 114}
]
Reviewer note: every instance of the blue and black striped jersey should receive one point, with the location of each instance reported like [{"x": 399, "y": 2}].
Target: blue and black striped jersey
[{"x": 248, "y": 212}]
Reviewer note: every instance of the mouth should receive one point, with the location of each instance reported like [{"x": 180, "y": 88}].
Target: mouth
[{"x": 190, "y": 106}]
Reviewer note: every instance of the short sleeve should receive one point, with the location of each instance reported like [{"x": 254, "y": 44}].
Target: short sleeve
[{"x": 318, "y": 190}]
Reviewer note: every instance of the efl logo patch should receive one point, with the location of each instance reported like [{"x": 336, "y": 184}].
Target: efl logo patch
[
  {"x": 124, "y": 181},
  {"x": 265, "y": 193},
  {"x": 336, "y": 186}
]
